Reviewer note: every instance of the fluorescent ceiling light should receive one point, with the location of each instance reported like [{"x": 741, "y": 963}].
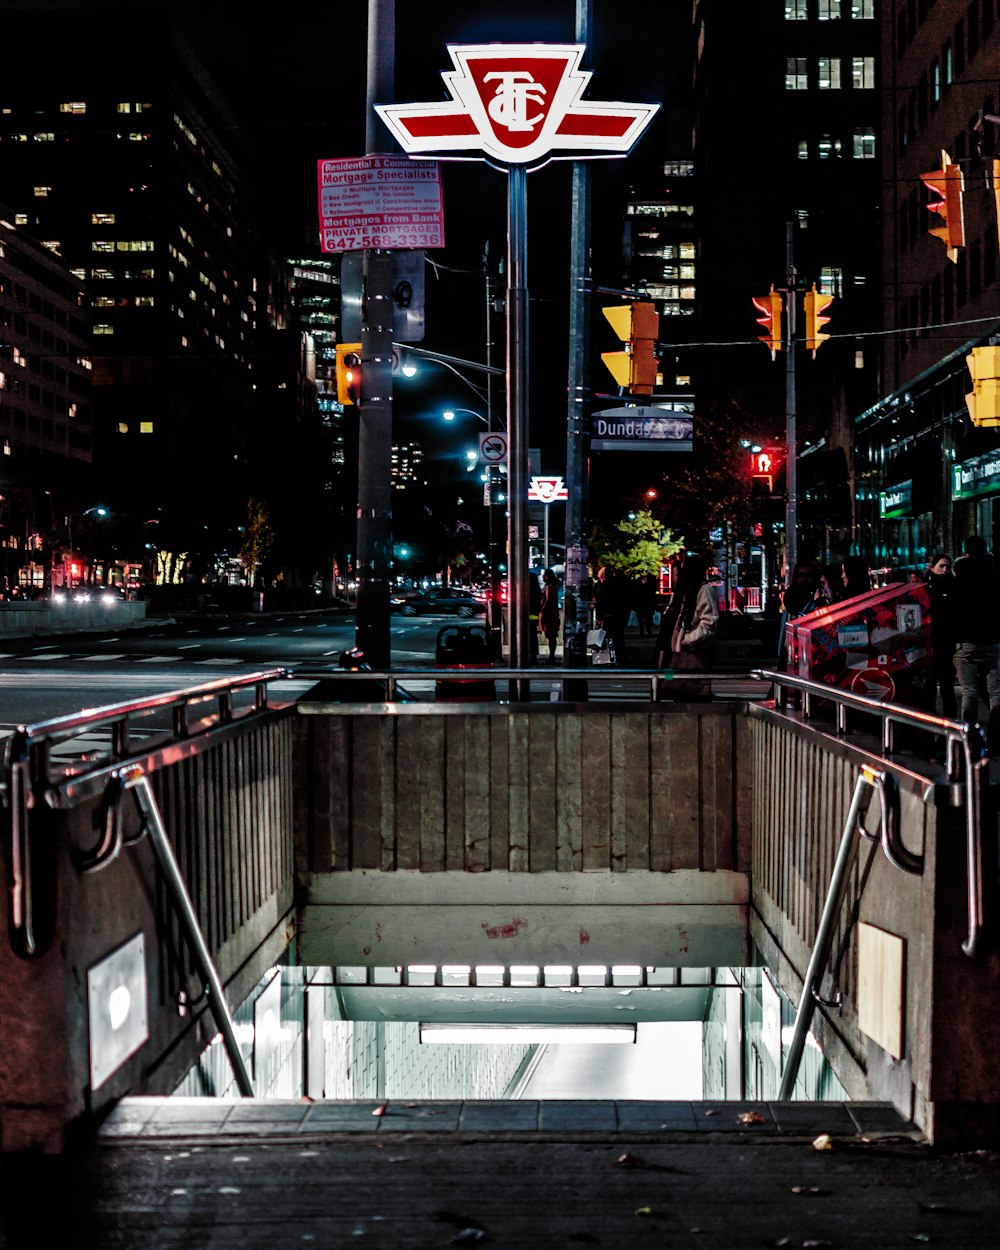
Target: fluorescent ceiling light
[{"x": 527, "y": 1034}]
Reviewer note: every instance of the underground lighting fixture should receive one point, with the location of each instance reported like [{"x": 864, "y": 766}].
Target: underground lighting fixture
[{"x": 527, "y": 1034}]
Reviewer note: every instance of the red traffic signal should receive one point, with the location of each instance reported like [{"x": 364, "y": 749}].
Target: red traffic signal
[
  {"x": 770, "y": 305},
  {"x": 765, "y": 464},
  {"x": 948, "y": 186}
]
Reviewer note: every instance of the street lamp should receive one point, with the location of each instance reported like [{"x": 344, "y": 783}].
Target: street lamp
[{"x": 451, "y": 413}]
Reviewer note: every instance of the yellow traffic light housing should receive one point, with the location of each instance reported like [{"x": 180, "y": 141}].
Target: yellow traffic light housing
[
  {"x": 349, "y": 373},
  {"x": 770, "y": 306},
  {"x": 815, "y": 305},
  {"x": 638, "y": 326},
  {"x": 984, "y": 402},
  {"x": 948, "y": 185}
]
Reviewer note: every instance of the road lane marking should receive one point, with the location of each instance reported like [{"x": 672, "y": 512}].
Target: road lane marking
[
  {"x": 101, "y": 659},
  {"x": 186, "y": 646}
]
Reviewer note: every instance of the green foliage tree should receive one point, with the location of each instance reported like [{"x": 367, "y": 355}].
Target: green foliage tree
[{"x": 637, "y": 545}]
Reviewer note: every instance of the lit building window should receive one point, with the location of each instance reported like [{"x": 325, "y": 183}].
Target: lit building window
[
  {"x": 102, "y": 245},
  {"x": 803, "y": 150},
  {"x": 144, "y": 301},
  {"x": 104, "y": 328},
  {"x": 20, "y": 219},
  {"x": 103, "y": 301},
  {"x": 84, "y": 362},
  {"x": 138, "y": 136},
  {"x": 802, "y": 218},
  {"x": 862, "y": 10},
  {"x": 42, "y": 192},
  {"x": 863, "y": 72},
  {"x": 135, "y": 245},
  {"x": 828, "y": 73},
  {"x": 829, "y": 10},
  {"x": 44, "y": 136},
  {"x": 671, "y": 169},
  {"x": 53, "y": 245},
  {"x": 145, "y": 427},
  {"x": 102, "y": 219},
  {"x": 18, "y": 357},
  {"x": 102, "y": 275},
  {"x": 796, "y": 10},
  {"x": 827, "y": 146},
  {"x": 796, "y": 74},
  {"x": 864, "y": 144},
  {"x": 73, "y": 106},
  {"x": 79, "y": 273},
  {"x": 122, "y": 427}
]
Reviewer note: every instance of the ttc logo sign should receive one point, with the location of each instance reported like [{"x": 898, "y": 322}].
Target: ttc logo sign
[{"x": 516, "y": 104}]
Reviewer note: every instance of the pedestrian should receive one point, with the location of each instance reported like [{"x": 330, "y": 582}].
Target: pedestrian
[
  {"x": 534, "y": 607},
  {"x": 941, "y": 588},
  {"x": 548, "y": 612},
  {"x": 856, "y": 577},
  {"x": 696, "y": 621},
  {"x": 802, "y": 594},
  {"x": 977, "y": 634},
  {"x": 611, "y": 607},
  {"x": 645, "y": 604}
]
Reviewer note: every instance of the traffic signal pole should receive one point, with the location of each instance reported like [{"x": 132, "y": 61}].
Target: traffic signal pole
[
  {"x": 791, "y": 450},
  {"x": 517, "y": 418},
  {"x": 374, "y": 543},
  {"x": 576, "y": 603}
]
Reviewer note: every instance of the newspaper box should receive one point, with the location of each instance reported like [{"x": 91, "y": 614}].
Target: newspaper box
[{"x": 877, "y": 644}]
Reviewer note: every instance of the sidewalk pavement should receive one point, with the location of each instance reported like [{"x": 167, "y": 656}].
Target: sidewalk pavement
[{"x": 172, "y": 1173}]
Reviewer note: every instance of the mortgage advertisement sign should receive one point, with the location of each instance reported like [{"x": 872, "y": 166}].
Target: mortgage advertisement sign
[
  {"x": 642, "y": 428},
  {"x": 380, "y": 202}
]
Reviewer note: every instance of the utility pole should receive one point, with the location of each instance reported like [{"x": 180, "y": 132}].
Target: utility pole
[
  {"x": 791, "y": 450},
  {"x": 576, "y": 605},
  {"x": 374, "y": 543}
]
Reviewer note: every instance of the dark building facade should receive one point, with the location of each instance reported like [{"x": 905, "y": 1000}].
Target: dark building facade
[
  {"x": 923, "y": 469},
  {"x": 790, "y": 134},
  {"x": 125, "y": 162}
]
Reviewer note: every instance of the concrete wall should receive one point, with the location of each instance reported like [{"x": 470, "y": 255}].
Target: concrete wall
[
  {"x": 22, "y": 620},
  {"x": 946, "y": 1076}
]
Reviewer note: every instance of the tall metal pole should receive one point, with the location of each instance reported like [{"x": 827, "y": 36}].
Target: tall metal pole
[
  {"x": 375, "y": 421},
  {"x": 791, "y": 450},
  {"x": 576, "y": 598},
  {"x": 517, "y": 415}
]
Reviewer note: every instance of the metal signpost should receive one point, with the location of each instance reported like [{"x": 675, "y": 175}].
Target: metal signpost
[
  {"x": 547, "y": 490},
  {"x": 517, "y": 106}
]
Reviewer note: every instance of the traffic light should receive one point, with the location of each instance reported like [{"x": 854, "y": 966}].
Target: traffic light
[
  {"x": 770, "y": 305},
  {"x": 349, "y": 373},
  {"x": 984, "y": 402},
  {"x": 765, "y": 464},
  {"x": 948, "y": 185},
  {"x": 638, "y": 326},
  {"x": 815, "y": 305}
]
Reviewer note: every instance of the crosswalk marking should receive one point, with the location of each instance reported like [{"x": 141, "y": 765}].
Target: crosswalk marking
[{"x": 101, "y": 659}]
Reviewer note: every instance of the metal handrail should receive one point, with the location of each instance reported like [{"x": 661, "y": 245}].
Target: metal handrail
[
  {"x": 964, "y": 758},
  {"x": 854, "y": 828},
  {"x": 26, "y": 781}
]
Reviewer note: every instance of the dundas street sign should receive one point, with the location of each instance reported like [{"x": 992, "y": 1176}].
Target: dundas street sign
[{"x": 517, "y": 104}]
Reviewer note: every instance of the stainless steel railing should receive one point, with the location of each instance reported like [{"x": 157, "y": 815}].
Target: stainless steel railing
[{"x": 965, "y": 761}]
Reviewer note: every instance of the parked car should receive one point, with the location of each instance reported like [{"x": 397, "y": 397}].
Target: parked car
[{"x": 439, "y": 600}]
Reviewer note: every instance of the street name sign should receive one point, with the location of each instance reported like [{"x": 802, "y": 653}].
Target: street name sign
[
  {"x": 516, "y": 104},
  {"x": 642, "y": 428},
  {"x": 379, "y": 202}
]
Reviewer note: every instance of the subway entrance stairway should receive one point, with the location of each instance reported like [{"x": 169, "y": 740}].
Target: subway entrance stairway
[{"x": 155, "y": 882}]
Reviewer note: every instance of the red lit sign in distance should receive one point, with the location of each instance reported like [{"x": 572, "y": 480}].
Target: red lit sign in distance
[{"x": 517, "y": 104}]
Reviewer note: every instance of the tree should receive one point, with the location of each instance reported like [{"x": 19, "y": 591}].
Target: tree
[
  {"x": 258, "y": 538},
  {"x": 638, "y": 545}
]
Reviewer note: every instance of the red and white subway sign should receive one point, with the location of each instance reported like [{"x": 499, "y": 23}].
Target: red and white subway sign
[
  {"x": 547, "y": 489},
  {"x": 517, "y": 104}
]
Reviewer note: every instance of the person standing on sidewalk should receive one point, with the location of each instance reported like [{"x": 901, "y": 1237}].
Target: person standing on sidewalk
[
  {"x": 977, "y": 634},
  {"x": 548, "y": 612},
  {"x": 941, "y": 589}
]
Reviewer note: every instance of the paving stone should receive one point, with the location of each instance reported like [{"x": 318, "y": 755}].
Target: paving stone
[
  {"x": 812, "y": 1117},
  {"x": 725, "y": 1117},
  {"x": 878, "y": 1117},
  {"x": 649, "y": 1116},
  {"x": 577, "y": 1116},
  {"x": 422, "y": 1117},
  {"x": 250, "y": 1111},
  {"x": 499, "y": 1116},
  {"x": 344, "y": 1117}
]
